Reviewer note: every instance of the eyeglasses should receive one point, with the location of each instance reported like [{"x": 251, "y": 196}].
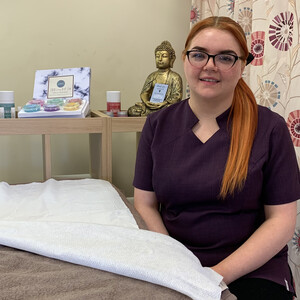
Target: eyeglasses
[{"x": 223, "y": 62}]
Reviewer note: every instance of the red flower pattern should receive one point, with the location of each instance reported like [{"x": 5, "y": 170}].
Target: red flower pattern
[
  {"x": 281, "y": 34},
  {"x": 258, "y": 47},
  {"x": 195, "y": 15},
  {"x": 293, "y": 123}
]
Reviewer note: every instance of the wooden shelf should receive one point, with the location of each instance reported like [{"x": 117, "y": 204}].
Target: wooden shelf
[
  {"x": 122, "y": 124},
  {"x": 99, "y": 126},
  {"x": 119, "y": 124},
  {"x": 95, "y": 127},
  {"x": 49, "y": 126}
]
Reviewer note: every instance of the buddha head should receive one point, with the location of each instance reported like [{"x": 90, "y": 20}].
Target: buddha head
[{"x": 164, "y": 55}]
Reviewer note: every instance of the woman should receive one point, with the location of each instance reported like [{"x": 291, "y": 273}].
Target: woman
[{"x": 218, "y": 172}]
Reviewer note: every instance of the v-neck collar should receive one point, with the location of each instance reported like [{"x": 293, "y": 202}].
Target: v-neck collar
[{"x": 192, "y": 119}]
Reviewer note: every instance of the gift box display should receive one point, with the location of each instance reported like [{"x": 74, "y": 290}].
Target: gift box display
[{"x": 59, "y": 93}]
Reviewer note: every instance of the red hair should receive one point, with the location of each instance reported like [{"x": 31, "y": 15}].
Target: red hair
[{"x": 243, "y": 110}]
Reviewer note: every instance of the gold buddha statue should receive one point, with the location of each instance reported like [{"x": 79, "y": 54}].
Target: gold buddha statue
[{"x": 165, "y": 78}]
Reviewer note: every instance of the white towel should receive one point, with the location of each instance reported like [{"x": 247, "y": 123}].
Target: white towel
[
  {"x": 126, "y": 251},
  {"x": 85, "y": 200}
]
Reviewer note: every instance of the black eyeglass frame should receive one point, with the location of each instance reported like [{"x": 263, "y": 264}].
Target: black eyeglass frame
[{"x": 236, "y": 57}]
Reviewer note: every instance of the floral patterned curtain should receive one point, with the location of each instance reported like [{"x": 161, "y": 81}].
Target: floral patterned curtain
[{"x": 272, "y": 31}]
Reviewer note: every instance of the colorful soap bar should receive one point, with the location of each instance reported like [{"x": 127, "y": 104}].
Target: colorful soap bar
[
  {"x": 51, "y": 107},
  {"x": 56, "y": 101},
  {"x": 31, "y": 107},
  {"x": 77, "y": 100},
  {"x": 71, "y": 106}
]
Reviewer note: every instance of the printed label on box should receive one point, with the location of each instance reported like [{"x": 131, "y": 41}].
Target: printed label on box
[{"x": 60, "y": 86}]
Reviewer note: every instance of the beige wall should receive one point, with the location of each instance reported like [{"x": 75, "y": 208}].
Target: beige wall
[{"x": 116, "y": 38}]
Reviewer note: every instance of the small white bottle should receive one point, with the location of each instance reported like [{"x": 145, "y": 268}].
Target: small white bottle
[
  {"x": 18, "y": 110},
  {"x": 7, "y": 101},
  {"x": 1, "y": 112},
  {"x": 113, "y": 99},
  {"x": 13, "y": 112}
]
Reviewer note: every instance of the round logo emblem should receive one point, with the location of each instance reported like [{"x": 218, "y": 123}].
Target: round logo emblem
[{"x": 60, "y": 83}]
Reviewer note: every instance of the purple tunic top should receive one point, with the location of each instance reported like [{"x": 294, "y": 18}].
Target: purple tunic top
[{"x": 186, "y": 176}]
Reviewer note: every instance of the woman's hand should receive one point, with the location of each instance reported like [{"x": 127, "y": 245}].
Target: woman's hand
[{"x": 264, "y": 243}]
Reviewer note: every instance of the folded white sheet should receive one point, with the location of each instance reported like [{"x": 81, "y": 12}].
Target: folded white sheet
[
  {"x": 126, "y": 251},
  {"x": 85, "y": 200}
]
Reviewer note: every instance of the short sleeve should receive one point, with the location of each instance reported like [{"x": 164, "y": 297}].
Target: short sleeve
[
  {"x": 144, "y": 162},
  {"x": 281, "y": 172}
]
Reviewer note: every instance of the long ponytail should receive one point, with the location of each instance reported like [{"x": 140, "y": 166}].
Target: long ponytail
[{"x": 244, "y": 124}]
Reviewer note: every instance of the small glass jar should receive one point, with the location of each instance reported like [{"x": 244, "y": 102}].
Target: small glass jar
[{"x": 122, "y": 113}]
